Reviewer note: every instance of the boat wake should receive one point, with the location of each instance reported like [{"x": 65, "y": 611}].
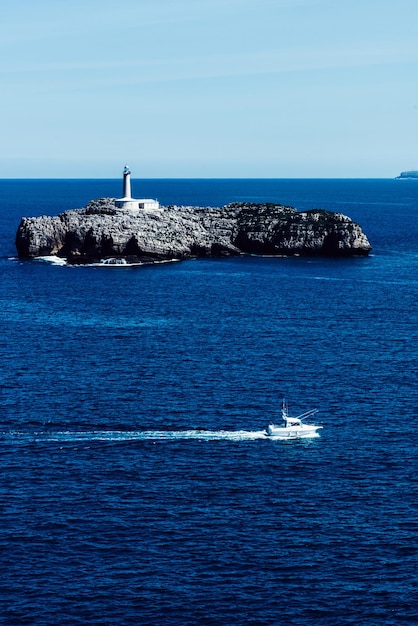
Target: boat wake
[{"x": 63, "y": 437}]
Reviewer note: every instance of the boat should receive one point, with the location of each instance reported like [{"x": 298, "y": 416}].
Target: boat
[
  {"x": 114, "y": 261},
  {"x": 293, "y": 427}
]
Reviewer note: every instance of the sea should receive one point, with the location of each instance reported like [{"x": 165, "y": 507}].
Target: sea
[{"x": 138, "y": 486}]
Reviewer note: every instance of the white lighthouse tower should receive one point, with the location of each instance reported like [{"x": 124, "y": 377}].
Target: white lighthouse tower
[
  {"x": 126, "y": 183},
  {"x": 127, "y": 203}
]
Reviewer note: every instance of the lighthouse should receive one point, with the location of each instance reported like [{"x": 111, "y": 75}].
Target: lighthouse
[
  {"x": 126, "y": 183},
  {"x": 127, "y": 203}
]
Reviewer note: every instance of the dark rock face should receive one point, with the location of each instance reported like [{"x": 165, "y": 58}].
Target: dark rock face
[{"x": 100, "y": 231}]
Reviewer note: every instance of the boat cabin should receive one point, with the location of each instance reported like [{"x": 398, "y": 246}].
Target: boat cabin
[{"x": 292, "y": 421}]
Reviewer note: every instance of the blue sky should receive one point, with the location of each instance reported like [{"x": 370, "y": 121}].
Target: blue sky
[{"x": 208, "y": 88}]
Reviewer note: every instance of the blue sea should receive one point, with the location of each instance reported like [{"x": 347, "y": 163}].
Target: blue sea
[{"x": 137, "y": 486}]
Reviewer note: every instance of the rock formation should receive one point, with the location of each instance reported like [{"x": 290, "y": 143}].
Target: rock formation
[
  {"x": 410, "y": 174},
  {"x": 100, "y": 231}
]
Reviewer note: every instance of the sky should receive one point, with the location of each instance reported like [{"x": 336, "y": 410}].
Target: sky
[{"x": 208, "y": 88}]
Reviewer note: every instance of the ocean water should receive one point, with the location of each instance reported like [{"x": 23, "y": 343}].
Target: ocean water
[{"x": 137, "y": 485}]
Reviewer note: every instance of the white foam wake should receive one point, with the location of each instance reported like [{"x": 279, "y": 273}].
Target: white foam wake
[
  {"x": 116, "y": 435},
  {"x": 52, "y": 259}
]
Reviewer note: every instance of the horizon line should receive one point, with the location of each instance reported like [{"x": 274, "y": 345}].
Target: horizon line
[{"x": 206, "y": 178}]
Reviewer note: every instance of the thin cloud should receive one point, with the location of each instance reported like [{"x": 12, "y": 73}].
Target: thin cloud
[{"x": 240, "y": 64}]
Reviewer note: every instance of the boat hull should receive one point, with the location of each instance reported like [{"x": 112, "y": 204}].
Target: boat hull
[{"x": 293, "y": 432}]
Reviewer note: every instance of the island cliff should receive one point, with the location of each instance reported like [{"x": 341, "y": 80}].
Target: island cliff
[
  {"x": 101, "y": 231},
  {"x": 409, "y": 174}
]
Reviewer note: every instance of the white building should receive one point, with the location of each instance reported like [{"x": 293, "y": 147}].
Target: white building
[{"x": 127, "y": 203}]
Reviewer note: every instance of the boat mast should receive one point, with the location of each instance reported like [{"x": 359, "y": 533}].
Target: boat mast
[{"x": 284, "y": 409}]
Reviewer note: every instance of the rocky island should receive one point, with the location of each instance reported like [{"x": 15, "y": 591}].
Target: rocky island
[
  {"x": 100, "y": 231},
  {"x": 140, "y": 231},
  {"x": 408, "y": 174}
]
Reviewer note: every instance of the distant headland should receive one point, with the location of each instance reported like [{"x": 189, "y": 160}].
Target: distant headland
[
  {"x": 133, "y": 230},
  {"x": 410, "y": 174}
]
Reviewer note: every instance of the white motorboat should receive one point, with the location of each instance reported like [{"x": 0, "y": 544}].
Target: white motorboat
[
  {"x": 114, "y": 261},
  {"x": 294, "y": 427}
]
